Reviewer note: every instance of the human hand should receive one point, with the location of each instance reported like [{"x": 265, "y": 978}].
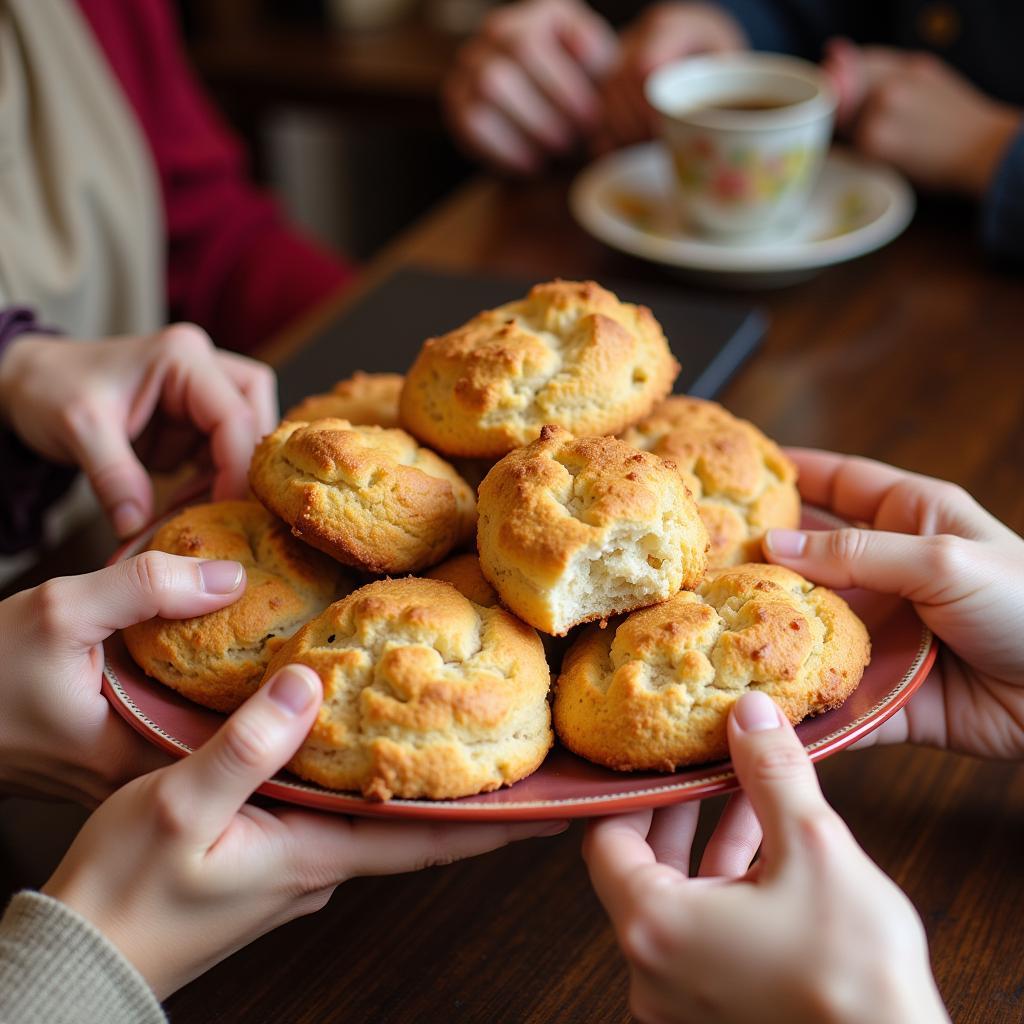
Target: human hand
[
  {"x": 178, "y": 871},
  {"x": 813, "y": 932},
  {"x": 934, "y": 545},
  {"x": 58, "y": 735},
  {"x": 916, "y": 112},
  {"x": 86, "y": 402},
  {"x": 524, "y": 88},
  {"x": 664, "y": 32}
]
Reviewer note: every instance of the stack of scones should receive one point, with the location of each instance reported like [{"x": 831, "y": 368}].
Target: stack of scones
[{"x": 607, "y": 513}]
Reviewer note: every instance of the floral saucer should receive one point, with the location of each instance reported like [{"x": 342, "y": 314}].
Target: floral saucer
[{"x": 624, "y": 200}]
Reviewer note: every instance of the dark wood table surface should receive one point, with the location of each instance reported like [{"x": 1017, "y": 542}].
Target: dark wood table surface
[{"x": 913, "y": 355}]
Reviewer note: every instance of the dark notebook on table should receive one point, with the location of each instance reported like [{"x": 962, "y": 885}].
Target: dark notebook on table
[{"x": 384, "y": 330}]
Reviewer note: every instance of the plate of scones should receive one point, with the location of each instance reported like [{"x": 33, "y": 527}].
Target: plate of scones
[{"x": 529, "y": 578}]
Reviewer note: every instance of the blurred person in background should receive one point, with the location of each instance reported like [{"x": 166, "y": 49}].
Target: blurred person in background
[
  {"x": 936, "y": 89},
  {"x": 125, "y": 203}
]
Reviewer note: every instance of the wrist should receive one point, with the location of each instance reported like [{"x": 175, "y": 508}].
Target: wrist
[
  {"x": 14, "y": 357},
  {"x": 893, "y": 995},
  {"x": 995, "y": 133}
]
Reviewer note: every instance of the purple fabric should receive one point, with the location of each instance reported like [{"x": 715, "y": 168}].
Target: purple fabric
[{"x": 31, "y": 484}]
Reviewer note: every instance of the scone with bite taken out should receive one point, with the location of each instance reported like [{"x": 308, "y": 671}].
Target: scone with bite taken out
[
  {"x": 372, "y": 498},
  {"x": 653, "y": 691},
  {"x": 570, "y": 353},
  {"x": 364, "y": 399},
  {"x": 426, "y": 694},
  {"x": 218, "y": 659},
  {"x": 743, "y": 483},
  {"x": 574, "y": 529},
  {"x": 464, "y": 574}
]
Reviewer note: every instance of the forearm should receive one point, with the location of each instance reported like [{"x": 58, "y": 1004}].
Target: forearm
[{"x": 54, "y": 965}]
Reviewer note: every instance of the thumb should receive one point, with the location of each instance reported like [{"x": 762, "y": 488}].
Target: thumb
[
  {"x": 776, "y": 774},
  {"x": 889, "y": 563},
  {"x": 207, "y": 789},
  {"x": 82, "y": 611},
  {"x": 118, "y": 479}
]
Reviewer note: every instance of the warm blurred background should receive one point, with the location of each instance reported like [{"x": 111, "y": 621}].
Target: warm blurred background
[{"x": 337, "y": 101}]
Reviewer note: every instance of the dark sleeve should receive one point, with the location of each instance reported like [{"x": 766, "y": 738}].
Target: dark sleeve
[
  {"x": 234, "y": 265},
  {"x": 1002, "y": 210},
  {"x": 31, "y": 483},
  {"x": 782, "y": 26},
  {"x": 799, "y": 27}
]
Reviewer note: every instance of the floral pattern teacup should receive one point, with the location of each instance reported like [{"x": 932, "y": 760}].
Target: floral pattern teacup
[{"x": 743, "y": 172}]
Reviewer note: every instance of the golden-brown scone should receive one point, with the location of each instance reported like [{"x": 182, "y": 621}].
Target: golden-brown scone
[
  {"x": 569, "y": 353},
  {"x": 653, "y": 691},
  {"x": 464, "y": 574},
  {"x": 574, "y": 529},
  {"x": 367, "y": 399},
  {"x": 372, "y": 498},
  {"x": 218, "y": 659},
  {"x": 426, "y": 694},
  {"x": 742, "y": 481}
]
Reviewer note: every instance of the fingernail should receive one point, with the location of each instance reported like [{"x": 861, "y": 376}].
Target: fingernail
[
  {"x": 128, "y": 518},
  {"x": 221, "y": 577},
  {"x": 755, "y": 712},
  {"x": 556, "y": 828},
  {"x": 786, "y": 543},
  {"x": 292, "y": 690}
]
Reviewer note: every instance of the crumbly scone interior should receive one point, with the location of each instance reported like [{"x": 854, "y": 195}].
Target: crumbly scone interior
[{"x": 621, "y": 570}]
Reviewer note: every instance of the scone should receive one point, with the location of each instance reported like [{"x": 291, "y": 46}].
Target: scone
[
  {"x": 569, "y": 353},
  {"x": 742, "y": 481},
  {"x": 653, "y": 691},
  {"x": 372, "y": 498},
  {"x": 426, "y": 694},
  {"x": 218, "y": 659},
  {"x": 464, "y": 574},
  {"x": 573, "y": 529},
  {"x": 367, "y": 399}
]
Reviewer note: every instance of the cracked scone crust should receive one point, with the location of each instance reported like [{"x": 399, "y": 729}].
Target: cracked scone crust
[
  {"x": 654, "y": 690},
  {"x": 426, "y": 694},
  {"x": 743, "y": 483},
  {"x": 367, "y": 399},
  {"x": 218, "y": 659},
  {"x": 372, "y": 498},
  {"x": 569, "y": 353},
  {"x": 573, "y": 529}
]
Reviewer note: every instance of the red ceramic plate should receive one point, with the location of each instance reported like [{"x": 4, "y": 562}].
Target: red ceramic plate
[{"x": 565, "y": 786}]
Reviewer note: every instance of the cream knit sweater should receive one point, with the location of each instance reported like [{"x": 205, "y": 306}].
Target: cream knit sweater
[{"x": 56, "y": 968}]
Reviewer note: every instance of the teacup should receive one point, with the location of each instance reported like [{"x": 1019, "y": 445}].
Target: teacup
[{"x": 747, "y": 133}]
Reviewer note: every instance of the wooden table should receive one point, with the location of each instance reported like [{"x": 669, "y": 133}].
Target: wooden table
[{"x": 912, "y": 355}]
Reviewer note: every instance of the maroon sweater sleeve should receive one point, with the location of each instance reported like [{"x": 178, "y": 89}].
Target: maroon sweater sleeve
[{"x": 234, "y": 265}]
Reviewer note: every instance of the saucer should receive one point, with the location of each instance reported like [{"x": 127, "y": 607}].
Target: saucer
[{"x": 625, "y": 200}]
